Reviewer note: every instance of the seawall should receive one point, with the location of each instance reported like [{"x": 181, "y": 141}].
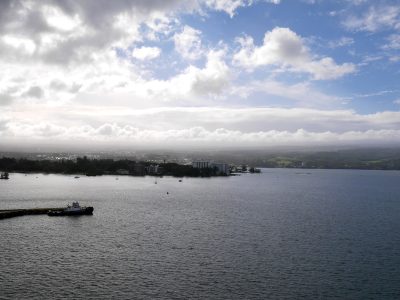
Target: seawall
[{"x": 10, "y": 213}]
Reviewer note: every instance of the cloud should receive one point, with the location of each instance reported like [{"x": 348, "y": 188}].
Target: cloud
[
  {"x": 284, "y": 48},
  {"x": 205, "y": 126},
  {"x": 146, "y": 53},
  {"x": 192, "y": 84},
  {"x": 342, "y": 42},
  {"x": 5, "y": 99},
  {"x": 188, "y": 43},
  {"x": 214, "y": 77},
  {"x": 211, "y": 118},
  {"x": 228, "y": 6},
  {"x": 34, "y": 92},
  {"x": 302, "y": 93},
  {"x": 393, "y": 42},
  {"x": 4, "y": 119},
  {"x": 394, "y": 58},
  {"x": 67, "y": 32},
  {"x": 56, "y": 51},
  {"x": 375, "y": 19},
  {"x": 126, "y": 136}
]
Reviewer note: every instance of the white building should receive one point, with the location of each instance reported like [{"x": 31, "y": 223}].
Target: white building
[
  {"x": 221, "y": 168},
  {"x": 201, "y": 164},
  {"x": 153, "y": 169}
]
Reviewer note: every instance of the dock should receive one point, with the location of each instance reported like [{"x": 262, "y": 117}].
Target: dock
[{"x": 11, "y": 213}]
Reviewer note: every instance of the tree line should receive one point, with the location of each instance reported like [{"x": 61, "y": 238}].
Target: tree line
[{"x": 94, "y": 167}]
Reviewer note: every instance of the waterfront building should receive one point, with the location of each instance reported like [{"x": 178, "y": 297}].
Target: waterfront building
[
  {"x": 153, "y": 169},
  {"x": 139, "y": 169},
  {"x": 201, "y": 164},
  {"x": 122, "y": 172},
  {"x": 221, "y": 168}
]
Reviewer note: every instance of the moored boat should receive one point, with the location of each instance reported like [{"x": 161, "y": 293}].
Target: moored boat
[
  {"x": 72, "y": 210},
  {"x": 4, "y": 175}
]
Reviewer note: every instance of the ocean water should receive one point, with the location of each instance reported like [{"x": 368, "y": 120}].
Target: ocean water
[{"x": 282, "y": 234}]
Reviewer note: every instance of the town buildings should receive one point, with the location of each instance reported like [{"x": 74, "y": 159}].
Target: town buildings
[{"x": 220, "y": 168}]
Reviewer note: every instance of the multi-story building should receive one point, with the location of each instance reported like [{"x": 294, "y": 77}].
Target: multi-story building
[
  {"x": 201, "y": 164},
  {"x": 221, "y": 168}
]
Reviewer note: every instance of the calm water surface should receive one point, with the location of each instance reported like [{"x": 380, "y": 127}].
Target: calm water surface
[{"x": 283, "y": 234}]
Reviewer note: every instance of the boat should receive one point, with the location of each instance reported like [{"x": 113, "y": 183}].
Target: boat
[
  {"x": 4, "y": 175},
  {"x": 72, "y": 210}
]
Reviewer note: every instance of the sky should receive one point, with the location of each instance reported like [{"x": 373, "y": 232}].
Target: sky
[{"x": 199, "y": 73}]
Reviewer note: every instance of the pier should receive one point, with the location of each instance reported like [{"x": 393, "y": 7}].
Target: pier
[{"x": 11, "y": 213}]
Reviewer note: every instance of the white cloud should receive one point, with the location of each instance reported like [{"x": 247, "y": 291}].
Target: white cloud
[
  {"x": 128, "y": 135},
  {"x": 228, "y": 6},
  {"x": 146, "y": 53},
  {"x": 356, "y": 2},
  {"x": 393, "y": 42},
  {"x": 188, "y": 43},
  {"x": 342, "y": 42},
  {"x": 64, "y": 33},
  {"x": 394, "y": 58},
  {"x": 161, "y": 119},
  {"x": 193, "y": 83},
  {"x": 375, "y": 19},
  {"x": 5, "y": 99},
  {"x": 59, "y": 20},
  {"x": 283, "y": 47},
  {"x": 301, "y": 93},
  {"x": 23, "y": 45}
]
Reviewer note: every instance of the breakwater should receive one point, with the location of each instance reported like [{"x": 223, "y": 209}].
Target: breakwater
[{"x": 11, "y": 213}]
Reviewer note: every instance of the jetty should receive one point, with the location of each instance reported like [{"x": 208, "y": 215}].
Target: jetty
[{"x": 11, "y": 213}]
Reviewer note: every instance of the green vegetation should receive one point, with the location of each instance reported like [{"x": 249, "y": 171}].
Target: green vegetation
[
  {"x": 343, "y": 159},
  {"x": 93, "y": 167}
]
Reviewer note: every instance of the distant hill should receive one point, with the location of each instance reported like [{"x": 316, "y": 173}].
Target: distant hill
[{"x": 323, "y": 158}]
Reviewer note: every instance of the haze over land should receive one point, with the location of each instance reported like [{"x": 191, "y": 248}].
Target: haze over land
[{"x": 199, "y": 74}]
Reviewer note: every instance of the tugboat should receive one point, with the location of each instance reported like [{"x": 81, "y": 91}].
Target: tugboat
[
  {"x": 4, "y": 175},
  {"x": 74, "y": 210}
]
